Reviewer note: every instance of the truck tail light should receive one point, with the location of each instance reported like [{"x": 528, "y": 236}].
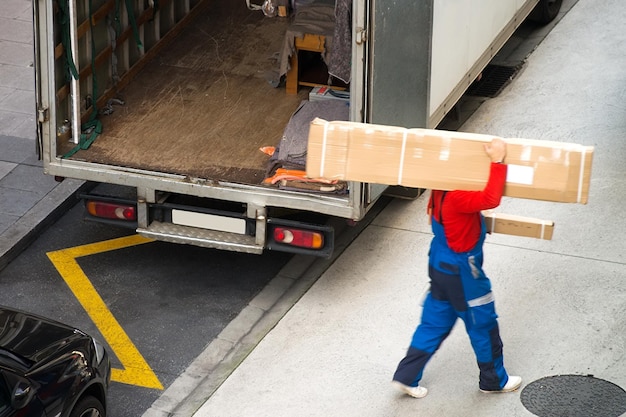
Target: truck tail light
[
  {"x": 114, "y": 211},
  {"x": 299, "y": 238}
]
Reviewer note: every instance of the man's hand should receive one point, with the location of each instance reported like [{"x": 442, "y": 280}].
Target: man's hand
[{"x": 496, "y": 150}]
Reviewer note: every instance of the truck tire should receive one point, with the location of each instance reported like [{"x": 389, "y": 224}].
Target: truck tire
[
  {"x": 545, "y": 11},
  {"x": 405, "y": 193}
]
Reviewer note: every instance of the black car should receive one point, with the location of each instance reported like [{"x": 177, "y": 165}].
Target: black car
[{"x": 50, "y": 369}]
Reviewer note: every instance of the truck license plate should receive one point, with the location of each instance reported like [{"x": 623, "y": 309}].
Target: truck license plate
[{"x": 209, "y": 221}]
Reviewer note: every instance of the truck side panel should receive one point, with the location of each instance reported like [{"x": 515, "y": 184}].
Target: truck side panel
[
  {"x": 442, "y": 47},
  {"x": 467, "y": 34}
]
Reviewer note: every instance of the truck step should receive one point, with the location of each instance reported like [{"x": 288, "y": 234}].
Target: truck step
[{"x": 173, "y": 233}]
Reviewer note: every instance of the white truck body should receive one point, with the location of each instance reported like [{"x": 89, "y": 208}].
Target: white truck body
[{"x": 411, "y": 62}]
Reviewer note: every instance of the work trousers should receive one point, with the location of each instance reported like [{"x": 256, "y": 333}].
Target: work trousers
[{"x": 446, "y": 301}]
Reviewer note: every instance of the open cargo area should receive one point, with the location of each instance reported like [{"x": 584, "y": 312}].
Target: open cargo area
[{"x": 204, "y": 105}]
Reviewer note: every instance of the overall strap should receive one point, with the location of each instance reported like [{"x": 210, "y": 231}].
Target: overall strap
[
  {"x": 432, "y": 206},
  {"x": 443, "y": 196}
]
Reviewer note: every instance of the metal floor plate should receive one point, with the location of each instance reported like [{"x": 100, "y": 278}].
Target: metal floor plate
[{"x": 574, "y": 396}]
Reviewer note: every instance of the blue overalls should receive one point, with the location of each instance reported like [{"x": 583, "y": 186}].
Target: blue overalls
[{"x": 459, "y": 288}]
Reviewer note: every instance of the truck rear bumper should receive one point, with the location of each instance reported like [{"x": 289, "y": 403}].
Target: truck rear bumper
[{"x": 208, "y": 223}]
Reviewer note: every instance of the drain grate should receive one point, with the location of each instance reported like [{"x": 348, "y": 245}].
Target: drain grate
[
  {"x": 574, "y": 396},
  {"x": 493, "y": 80}
]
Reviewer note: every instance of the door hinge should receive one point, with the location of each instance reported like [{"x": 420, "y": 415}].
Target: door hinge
[
  {"x": 42, "y": 114},
  {"x": 360, "y": 36}
]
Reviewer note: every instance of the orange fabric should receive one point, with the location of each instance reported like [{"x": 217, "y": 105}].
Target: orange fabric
[{"x": 295, "y": 174}]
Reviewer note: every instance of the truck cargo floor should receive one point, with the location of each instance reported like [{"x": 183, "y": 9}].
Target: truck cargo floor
[{"x": 204, "y": 106}]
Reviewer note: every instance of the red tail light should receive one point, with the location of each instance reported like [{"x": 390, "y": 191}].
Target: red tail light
[
  {"x": 300, "y": 238},
  {"x": 112, "y": 210}
]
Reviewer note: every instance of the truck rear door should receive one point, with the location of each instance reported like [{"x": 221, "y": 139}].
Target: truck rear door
[{"x": 43, "y": 38}]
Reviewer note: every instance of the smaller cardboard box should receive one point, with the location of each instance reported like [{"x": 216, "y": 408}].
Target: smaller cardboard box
[
  {"x": 446, "y": 160},
  {"x": 508, "y": 224}
]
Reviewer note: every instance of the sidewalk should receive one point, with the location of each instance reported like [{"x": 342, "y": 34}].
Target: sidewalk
[
  {"x": 562, "y": 303},
  {"x": 29, "y": 199}
]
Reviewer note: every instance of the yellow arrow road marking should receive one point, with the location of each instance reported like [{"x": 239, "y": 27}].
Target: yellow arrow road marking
[{"x": 136, "y": 370}]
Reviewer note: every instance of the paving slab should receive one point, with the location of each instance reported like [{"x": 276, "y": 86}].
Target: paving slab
[
  {"x": 562, "y": 303},
  {"x": 29, "y": 200}
]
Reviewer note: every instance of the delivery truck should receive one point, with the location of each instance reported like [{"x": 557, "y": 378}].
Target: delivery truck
[{"x": 201, "y": 107}]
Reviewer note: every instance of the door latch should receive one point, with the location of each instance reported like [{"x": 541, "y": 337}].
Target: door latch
[
  {"x": 42, "y": 114},
  {"x": 360, "y": 36}
]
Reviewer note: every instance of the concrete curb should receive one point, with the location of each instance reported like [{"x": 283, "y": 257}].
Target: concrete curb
[
  {"x": 49, "y": 209},
  {"x": 239, "y": 338}
]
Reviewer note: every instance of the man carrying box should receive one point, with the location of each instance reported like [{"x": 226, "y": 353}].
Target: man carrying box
[{"x": 459, "y": 287}]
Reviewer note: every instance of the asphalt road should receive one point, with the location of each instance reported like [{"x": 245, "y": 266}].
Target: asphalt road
[{"x": 163, "y": 303}]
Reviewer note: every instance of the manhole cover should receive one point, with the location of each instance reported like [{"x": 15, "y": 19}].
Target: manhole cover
[
  {"x": 494, "y": 79},
  {"x": 574, "y": 396}
]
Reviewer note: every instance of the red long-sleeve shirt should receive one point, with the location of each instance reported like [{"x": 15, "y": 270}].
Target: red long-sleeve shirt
[{"x": 461, "y": 209}]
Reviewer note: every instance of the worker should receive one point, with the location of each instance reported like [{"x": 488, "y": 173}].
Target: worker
[{"x": 458, "y": 285}]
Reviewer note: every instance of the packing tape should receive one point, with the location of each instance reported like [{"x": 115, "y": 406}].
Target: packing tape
[
  {"x": 324, "y": 137},
  {"x": 493, "y": 222},
  {"x": 401, "y": 167},
  {"x": 581, "y": 175},
  {"x": 545, "y": 223}
]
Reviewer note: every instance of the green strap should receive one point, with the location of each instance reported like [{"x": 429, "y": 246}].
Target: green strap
[
  {"x": 93, "y": 126},
  {"x": 133, "y": 22},
  {"x": 94, "y": 79},
  {"x": 64, "y": 20}
]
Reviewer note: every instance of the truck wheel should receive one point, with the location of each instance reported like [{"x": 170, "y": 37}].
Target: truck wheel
[
  {"x": 545, "y": 11},
  {"x": 88, "y": 407}
]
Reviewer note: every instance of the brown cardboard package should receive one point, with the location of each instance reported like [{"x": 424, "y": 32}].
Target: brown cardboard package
[
  {"x": 518, "y": 226},
  {"x": 446, "y": 160}
]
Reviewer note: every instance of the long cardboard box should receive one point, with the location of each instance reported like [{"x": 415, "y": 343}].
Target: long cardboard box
[
  {"x": 446, "y": 160},
  {"x": 518, "y": 225}
]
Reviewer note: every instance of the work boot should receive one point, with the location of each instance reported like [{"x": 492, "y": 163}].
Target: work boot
[
  {"x": 415, "y": 392},
  {"x": 511, "y": 385}
]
